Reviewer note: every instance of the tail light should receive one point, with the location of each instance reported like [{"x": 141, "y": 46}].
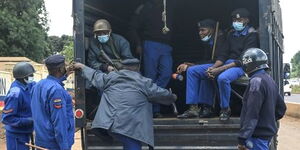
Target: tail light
[{"x": 79, "y": 113}]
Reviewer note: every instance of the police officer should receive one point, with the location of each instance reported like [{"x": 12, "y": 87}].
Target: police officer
[
  {"x": 52, "y": 108},
  {"x": 125, "y": 109},
  {"x": 17, "y": 115},
  {"x": 199, "y": 85},
  {"x": 262, "y": 103},
  {"x": 114, "y": 45},
  {"x": 242, "y": 37},
  {"x": 150, "y": 41}
]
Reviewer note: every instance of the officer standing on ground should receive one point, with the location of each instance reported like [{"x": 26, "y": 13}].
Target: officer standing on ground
[
  {"x": 199, "y": 86},
  {"x": 114, "y": 45},
  {"x": 242, "y": 37},
  {"x": 52, "y": 108},
  {"x": 17, "y": 115},
  {"x": 154, "y": 45},
  {"x": 262, "y": 103},
  {"x": 125, "y": 110}
]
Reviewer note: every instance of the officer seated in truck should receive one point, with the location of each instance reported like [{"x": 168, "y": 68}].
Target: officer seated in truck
[
  {"x": 114, "y": 45},
  {"x": 239, "y": 39},
  {"x": 199, "y": 85}
]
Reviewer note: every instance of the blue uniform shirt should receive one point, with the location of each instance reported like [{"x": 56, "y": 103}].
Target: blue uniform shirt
[
  {"x": 17, "y": 113},
  {"x": 52, "y": 114}
]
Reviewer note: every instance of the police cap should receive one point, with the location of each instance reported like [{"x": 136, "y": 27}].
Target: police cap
[
  {"x": 55, "y": 61},
  {"x": 240, "y": 13},
  {"x": 207, "y": 23}
]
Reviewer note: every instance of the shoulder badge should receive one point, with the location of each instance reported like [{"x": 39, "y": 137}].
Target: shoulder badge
[{"x": 57, "y": 103}]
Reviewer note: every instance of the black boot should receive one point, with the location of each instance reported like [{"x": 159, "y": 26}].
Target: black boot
[
  {"x": 192, "y": 112},
  {"x": 206, "y": 112},
  {"x": 225, "y": 114}
]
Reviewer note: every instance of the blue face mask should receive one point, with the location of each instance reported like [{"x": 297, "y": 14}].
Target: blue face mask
[
  {"x": 103, "y": 38},
  {"x": 238, "y": 26},
  {"x": 206, "y": 38}
]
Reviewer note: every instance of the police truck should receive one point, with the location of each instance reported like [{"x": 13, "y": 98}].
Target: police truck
[{"x": 170, "y": 132}]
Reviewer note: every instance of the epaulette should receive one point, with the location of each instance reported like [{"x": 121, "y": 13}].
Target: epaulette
[{"x": 14, "y": 92}]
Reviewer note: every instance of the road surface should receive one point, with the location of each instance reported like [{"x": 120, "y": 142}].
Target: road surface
[{"x": 293, "y": 98}]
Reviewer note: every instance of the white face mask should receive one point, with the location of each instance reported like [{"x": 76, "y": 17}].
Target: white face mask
[
  {"x": 30, "y": 80},
  {"x": 206, "y": 38}
]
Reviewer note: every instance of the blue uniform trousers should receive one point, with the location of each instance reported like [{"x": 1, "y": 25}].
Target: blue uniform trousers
[
  {"x": 259, "y": 144},
  {"x": 16, "y": 141},
  {"x": 157, "y": 64},
  {"x": 128, "y": 143},
  {"x": 200, "y": 88}
]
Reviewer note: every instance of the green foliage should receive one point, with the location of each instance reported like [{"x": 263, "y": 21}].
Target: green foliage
[
  {"x": 68, "y": 51},
  {"x": 56, "y": 44},
  {"x": 23, "y": 29},
  {"x": 296, "y": 89},
  {"x": 296, "y": 65}
]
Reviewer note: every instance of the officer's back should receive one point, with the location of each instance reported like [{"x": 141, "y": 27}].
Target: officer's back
[{"x": 52, "y": 108}]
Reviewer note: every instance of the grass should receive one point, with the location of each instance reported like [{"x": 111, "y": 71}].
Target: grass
[{"x": 296, "y": 89}]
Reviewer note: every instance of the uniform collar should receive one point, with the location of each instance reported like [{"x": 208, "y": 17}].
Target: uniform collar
[
  {"x": 21, "y": 85},
  {"x": 211, "y": 41},
  {"x": 261, "y": 71},
  {"x": 244, "y": 32},
  {"x": 55, "y": 79}
]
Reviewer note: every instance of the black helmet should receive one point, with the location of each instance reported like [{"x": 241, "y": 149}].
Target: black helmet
[
  {"x": 22, "y": 70},
  {"x": 254, "y": 59}
]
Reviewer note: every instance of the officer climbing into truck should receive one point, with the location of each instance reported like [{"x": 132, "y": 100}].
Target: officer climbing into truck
[{"x": 125, "y": 110}]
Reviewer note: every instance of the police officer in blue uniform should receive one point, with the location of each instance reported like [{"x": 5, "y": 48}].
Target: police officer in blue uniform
[
  {"x": 199, "y": 85},
  {"x": 262, "y": 103},
  {"x": 52, "y": 108},
  {"x": 17, "y": 113},
  {"x": 242, "y": 37}
]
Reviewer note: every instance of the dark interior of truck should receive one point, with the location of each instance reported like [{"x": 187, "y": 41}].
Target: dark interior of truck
[{"x": 185, "y": 39}]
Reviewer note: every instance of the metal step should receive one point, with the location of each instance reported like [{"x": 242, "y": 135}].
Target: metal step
[{"x": 187, "y": 134}]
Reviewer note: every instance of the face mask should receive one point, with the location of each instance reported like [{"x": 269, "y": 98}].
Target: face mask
[
  {"x": 238, "y": 26},
  {"x": 103, "y": 38},
  {"x": 29, "y": 80},
  {"x": 206, "y": 38},
  {"x": 64, "y": 77}
]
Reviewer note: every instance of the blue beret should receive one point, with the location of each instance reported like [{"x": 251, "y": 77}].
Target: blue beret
[
  {"x": 55, "y": 61},
  {"x": 132, "y": 61}
]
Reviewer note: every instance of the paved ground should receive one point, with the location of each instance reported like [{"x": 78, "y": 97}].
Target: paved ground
[
  {"x": 289, "y": 134},
  {"x": 293, "y": 98}
]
